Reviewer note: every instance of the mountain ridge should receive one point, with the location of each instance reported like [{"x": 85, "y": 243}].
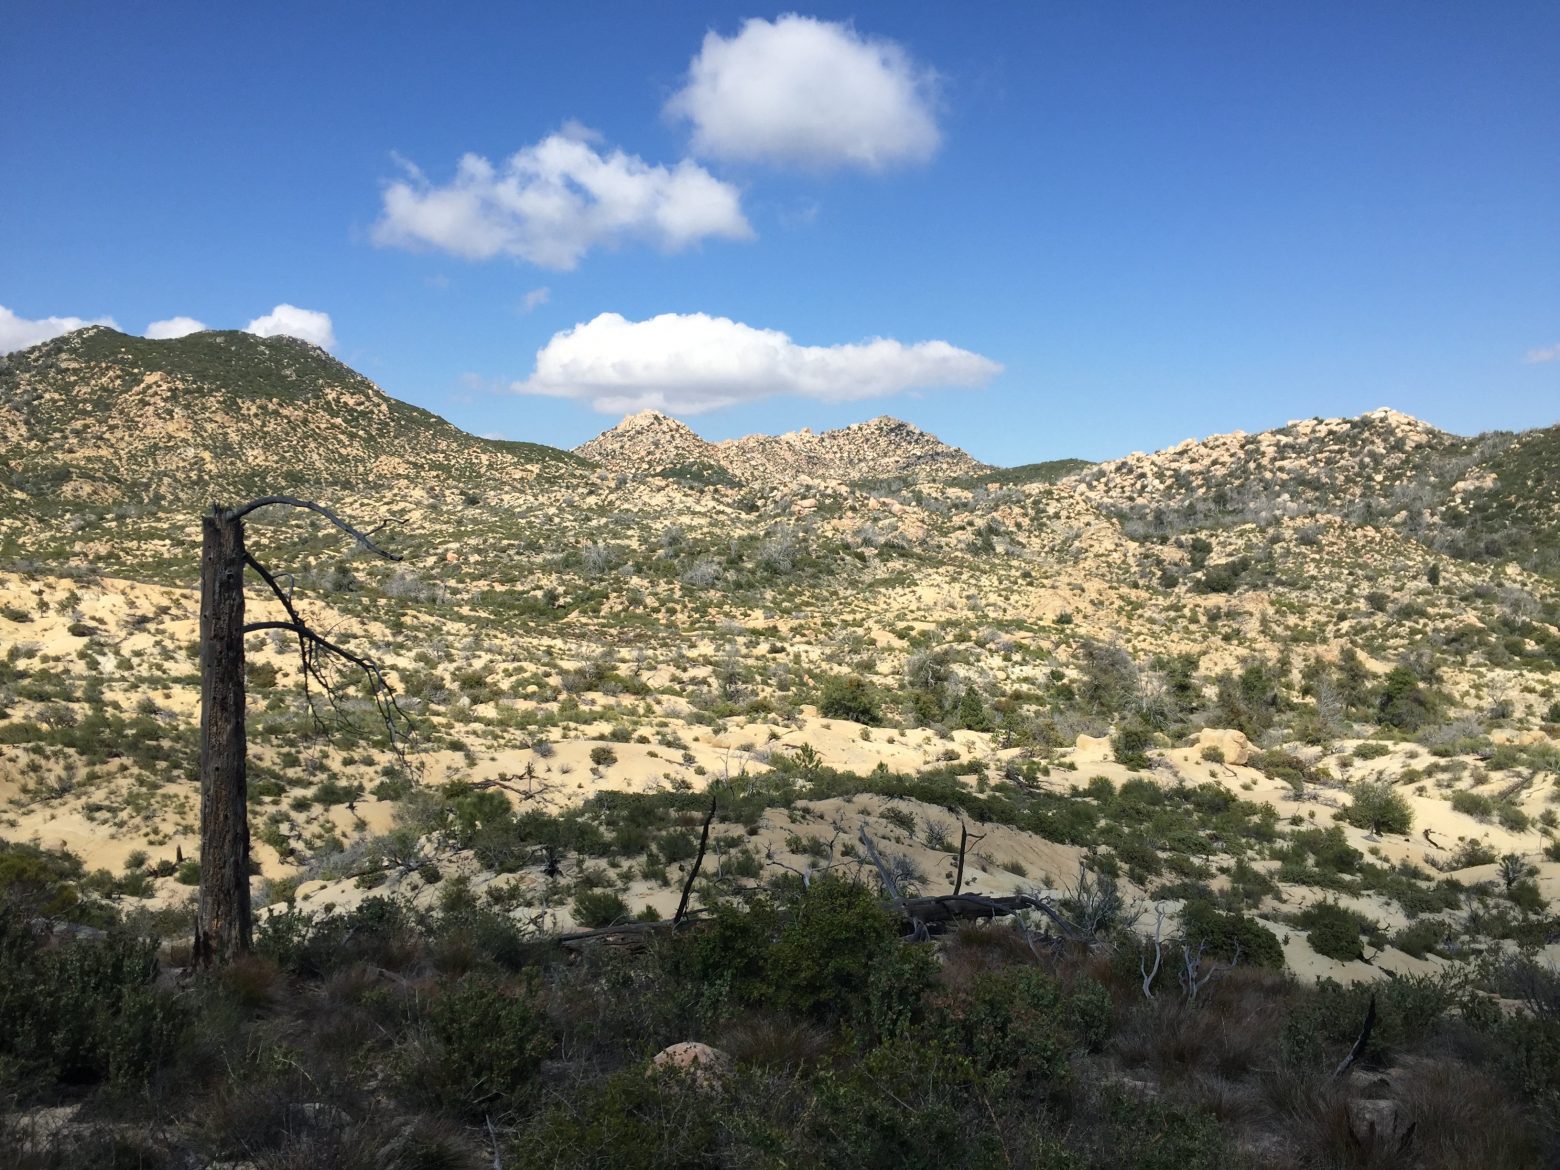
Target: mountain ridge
[
  {"x": 103, "y": 416},
  {"x": 1485, "y": 497},
  {"x": 97, "y": 416}
]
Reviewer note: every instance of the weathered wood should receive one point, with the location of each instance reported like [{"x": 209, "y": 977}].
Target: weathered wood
[
  {"x": 965, "y": 841},
  {"x": 223, "y": 930},
  {"x": 1359, "y": 1044},
  {"x": 890, "y": 886},
  {"x": 936, "y": 910},
  {"x": 223, "y": 924},
  {"x": 941, "y": 908},
  {"x": 626, "y": 933},
  {"x": 704, "y": 842}
]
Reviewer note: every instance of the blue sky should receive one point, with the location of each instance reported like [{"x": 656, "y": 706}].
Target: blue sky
[{"x": 1122, "y": 225}]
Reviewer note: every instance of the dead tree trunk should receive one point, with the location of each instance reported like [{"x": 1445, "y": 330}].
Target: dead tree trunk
[
  {"x": 693, "y": 874},
  {"x": 222, "y": 929},
  {"x": 223, "y": 924}
]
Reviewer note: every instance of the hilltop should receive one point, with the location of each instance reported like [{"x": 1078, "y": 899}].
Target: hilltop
[
  {"x": 1490, "y": 497},
  {"x": 102, "y": 417},
  {"x": 883, "y": 448}
]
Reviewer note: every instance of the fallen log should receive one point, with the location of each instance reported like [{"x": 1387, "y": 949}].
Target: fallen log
[
  {"x": 951, "y": 907},
  {"x": 627, "y": 933},
  {"x": 929, "y": 912}
]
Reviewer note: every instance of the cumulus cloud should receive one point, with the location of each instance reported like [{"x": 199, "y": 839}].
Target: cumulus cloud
[
  {"x": 535, "y": 299},
  {"x": 810, "y": 93},
  {"x": 550, "y": 203},
  {"x": 692, "y": 363},
  {"x": 174, "y": 327},
  {"x": 1549, "y": 353},
  {"x": 20, "y": 332},
  {"x": 291, "y": 321}
]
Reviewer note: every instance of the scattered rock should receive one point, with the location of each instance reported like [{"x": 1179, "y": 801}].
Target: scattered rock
[
  {"x": 1376, "y": 1123},
  {"x": 706, "y": 1067},
  {"x": 1236, "y": 747}
]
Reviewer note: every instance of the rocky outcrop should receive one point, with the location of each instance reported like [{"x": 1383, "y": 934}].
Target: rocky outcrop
[
  {"x": 646, "y": 442},
  {"x": 1356, "y": 467},
  {"x": 881, "y": 448}
]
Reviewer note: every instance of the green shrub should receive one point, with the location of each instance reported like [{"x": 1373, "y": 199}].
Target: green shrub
[
  {"x": 378, "y": 930},
  {"x": 1326, "y": 1023},
  {"x": 1332, "y": 930},
  {"x": 1126, "y": 1130},
  {"x": 1285, "y": 766},
  {"x": 822, "y": 960},
  {"x": 1371, "y": 749},
  {"x": 1527, "y": 1052},
  {"x": 819, "y": 960},
  {"x": 1473, "y": 804},
  {"x": 1403, "y": 703},
  {"x": 1377, "y": 806},
  {"x": 1421, "y": 937},
  {"x": 1525, "y": 896},
  {"x": 1130, "y": 746},
  {"x": 676, "y": 845},
  {"x": 628, "y": 1121},
  {"x": 1225, "y": 576},
  {"x": 1202, "y": 922},
  {"x": 485, "y": 1043},
  {"x": 1511, "y": 817},
  {"x": 972, "y": 714},
  {"x": 906, "y": 1105},
  {"x": 851, "y": 697},
  {"x": 38, "y": 882},
  {"x": 83, "y": 1012},
  {"x": 593, "y": 908},
  {"x": 1471, "y": 853},
  {"x": 1022, "y": 1024},
  {"x": 1016, "y": 1021},
  {"x": 603, "y": 756}
]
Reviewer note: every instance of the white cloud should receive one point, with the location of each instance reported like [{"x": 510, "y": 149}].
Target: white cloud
[
  {"x": 19, "y": 332},
  {"x": 692, "y": 363},
  {"x": 550, "y": 203},
  {"x": 808, "y": 92},
  {"x": 1549, "y": 353},
  {"x": 535, "y": 299},
  {"x": 291, "y": 321},
  {"x": 174, "y": 327}
]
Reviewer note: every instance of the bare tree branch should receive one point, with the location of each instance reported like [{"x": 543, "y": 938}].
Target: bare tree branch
[
  {"x": 890, "y": 886},
  {"x": 364, "y": 539},
  {"x": 1159, "y": 954},
  {"x": 965, "y": 842},
  {"x": 1359, "y": 1045},
  {"x": 693, "y": 873},
  {"x": 396, "y": 721}
]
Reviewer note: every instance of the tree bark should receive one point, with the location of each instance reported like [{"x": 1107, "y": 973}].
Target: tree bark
[{"x": 222, "y": 930}]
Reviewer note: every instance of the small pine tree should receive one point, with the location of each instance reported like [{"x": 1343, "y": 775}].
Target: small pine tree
[
  {"x": 1131, "y": 745},
  {"x": 972, "y": 711}
]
